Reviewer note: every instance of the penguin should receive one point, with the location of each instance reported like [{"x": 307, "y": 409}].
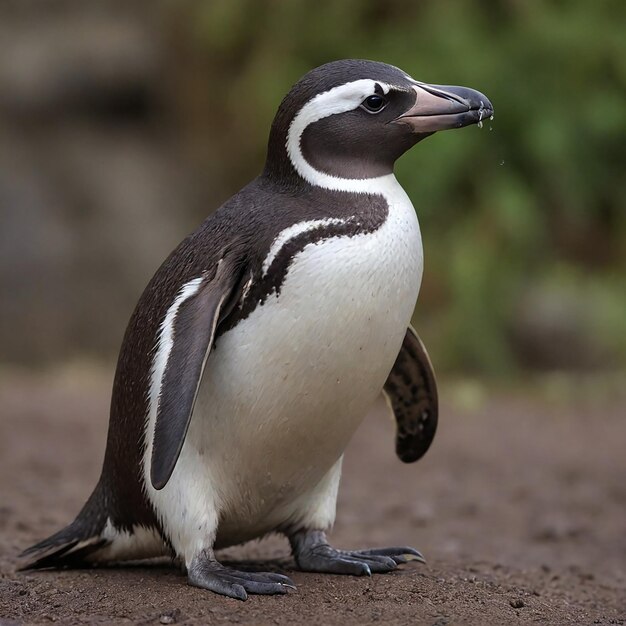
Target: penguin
[{"x": 265, "y": 337}]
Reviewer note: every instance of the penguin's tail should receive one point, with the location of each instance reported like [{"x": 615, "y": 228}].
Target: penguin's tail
[
  {"x": 95, "y": 536},
  {"x": 75, "y": 544}
]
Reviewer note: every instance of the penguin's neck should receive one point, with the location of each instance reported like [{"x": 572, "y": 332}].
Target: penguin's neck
[
  {"x": 301, "y": 178},
  {"x": 295, "y": 174}
]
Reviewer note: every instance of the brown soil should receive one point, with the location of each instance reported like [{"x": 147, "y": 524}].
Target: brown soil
[{"x": 519, "y": 507}]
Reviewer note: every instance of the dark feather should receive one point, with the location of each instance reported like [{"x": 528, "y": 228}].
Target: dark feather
[{"x": 412, "y": 392}]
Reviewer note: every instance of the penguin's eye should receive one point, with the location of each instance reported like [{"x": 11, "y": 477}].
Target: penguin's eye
[{"x": 374, "y": 103}]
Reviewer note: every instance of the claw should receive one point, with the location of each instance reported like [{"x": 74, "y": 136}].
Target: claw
[
  {"x": 406, "y": 553},
  {"x": 414, "y": 557},
  {"x": 399, "y": 559},
  {"x": 281, "y": 578}
]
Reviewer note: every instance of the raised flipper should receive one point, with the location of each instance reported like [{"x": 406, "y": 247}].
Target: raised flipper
[
  {"x": 411, "y": 392},
  {"x": 186, "y": 339}
]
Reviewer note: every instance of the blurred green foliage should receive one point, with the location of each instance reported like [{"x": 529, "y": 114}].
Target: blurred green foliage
[{"x": 526, "y": 215}]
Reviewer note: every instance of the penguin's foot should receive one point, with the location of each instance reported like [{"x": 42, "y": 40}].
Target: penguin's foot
[
  {"x": 207, "y": 573},
  {"x": 313, "y": 554}
]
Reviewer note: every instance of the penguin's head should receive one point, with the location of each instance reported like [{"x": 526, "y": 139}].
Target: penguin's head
[{"x": 352, "y": 119}]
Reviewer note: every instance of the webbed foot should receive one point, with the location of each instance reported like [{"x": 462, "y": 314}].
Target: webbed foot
[
  {"x": 207, "y": 573},
  {"x": 313, "y": 554}
]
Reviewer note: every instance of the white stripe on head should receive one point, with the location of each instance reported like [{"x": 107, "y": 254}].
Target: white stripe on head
[
  {"x": 293, "y": 231},
  {"x": 336, "y": 100}
]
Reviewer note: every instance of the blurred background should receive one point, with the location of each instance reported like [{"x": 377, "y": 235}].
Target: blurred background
[{"x": 122, "y": 125}]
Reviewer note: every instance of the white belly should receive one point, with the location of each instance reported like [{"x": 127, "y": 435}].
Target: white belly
[{"x": 283, "y": 391}]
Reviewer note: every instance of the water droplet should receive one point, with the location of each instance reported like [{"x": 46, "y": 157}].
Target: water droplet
[
  {"x": 491, "y": 118},
  {"x": 490, "y": 127},
  {"x": 502, "y": 162},
  {"x": 481, "y": 108}
]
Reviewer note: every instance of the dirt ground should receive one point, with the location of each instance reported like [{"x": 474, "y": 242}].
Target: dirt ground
[{"x": 519, "y": 508}]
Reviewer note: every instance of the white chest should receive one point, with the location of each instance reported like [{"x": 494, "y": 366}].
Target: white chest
[{"x": 285, "y": 389}]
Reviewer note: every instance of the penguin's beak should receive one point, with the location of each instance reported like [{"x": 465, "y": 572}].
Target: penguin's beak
[{"x": 441, "y": 107}]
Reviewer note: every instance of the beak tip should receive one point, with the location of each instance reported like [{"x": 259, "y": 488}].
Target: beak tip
[{"x": 441, "y": 107}]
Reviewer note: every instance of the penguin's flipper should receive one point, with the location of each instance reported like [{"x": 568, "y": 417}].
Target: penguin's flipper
[
  {"x": 190, "y": 326},
  {"x": 411, "y": 392}
]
